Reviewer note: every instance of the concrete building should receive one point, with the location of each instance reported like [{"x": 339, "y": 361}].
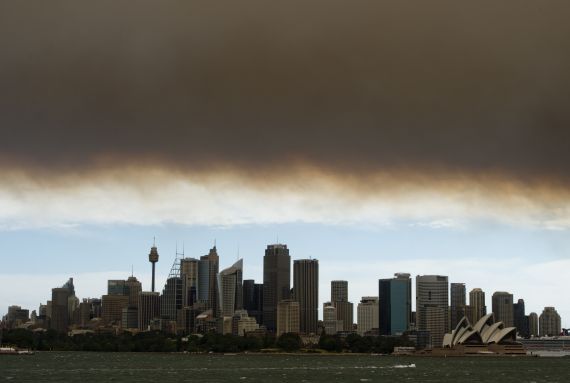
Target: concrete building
[
  {"x": 287, "y": 317},
  {"x": 306, "y": 292},
  {"x": 242, "y": 323},
  {"x": 208, "y": 268},
  {"x": 367, "y": 314},
  {"x": 520, "y": 319},
  {"x": 549, "y": 322},
  {"x": 230, "y": 289},
  {"x": 149, "y": 309},
  {"x": 458, "y": 303},
  {"x": 339, "y": 291},
  {"x": 477, "y": 305},
  {"x": 134, "y": 288},
  {"x": 395, "y": 312},
  {"x": 331, "y": 324},
  {"x": 276, "y": 282},
  {"x": 59, "y": 319},
  {"x": 432, "y": 306},
  {"x": 344, "y": 308},
  {"x": 130, "y": 318},
  {"x": 253, "y": 299},
  {"x": 533, "y": 324},
  {"x": 503, "y": 308},
  {"x": 112, "y": 308},
  {"x": 189, "y": 273}
]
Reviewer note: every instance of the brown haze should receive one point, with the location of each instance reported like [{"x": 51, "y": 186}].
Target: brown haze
[{"x": 365, "y": 94}]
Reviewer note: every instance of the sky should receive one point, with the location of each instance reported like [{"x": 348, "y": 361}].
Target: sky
[{"x": 377, "y": 137}]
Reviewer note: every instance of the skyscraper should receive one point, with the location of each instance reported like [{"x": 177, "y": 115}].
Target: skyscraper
[
  {"x": 395, "y": 296},
  {"x": 520, "y": 319},
  {"x": 503, "y": 308},
  {"x": 533, "y": 324},
  {"x": 230, "y": 289},
  {"x": 367, "y": 314},
  {"x": 134, "y": 287},
  {"x": 112, "y": 308},
  {"x": 458, "y": 303},
  {"x": 330, "y": 322},
  {"x": 153, "y": 258},
  {"x": 432, "y": 306},
  {"x": 339, "y": 291},
  {"x": 287, "y": 317},
  {"x": 189, "y": 274},
  {"x": 549, "y": 322},
  {"x": 117, "y": 287},
  {"x": 306, "y": 291},
  {"x": 208, "y": 268},
  {"x": 171, "y": 300},
  {"x": 276, "y": 282},
  {"x": 344, "y": 308},
  {"x": 149, "y": 308},
  {"x": 477, "y": 305},
  {"x": 59, "y": 312},
  {"x": 253, "y": 299}
]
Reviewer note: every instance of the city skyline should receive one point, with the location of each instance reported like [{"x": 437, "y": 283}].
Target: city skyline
[
  {"x": 377, "y": 137},
  {"x": 337, "y": 287}
]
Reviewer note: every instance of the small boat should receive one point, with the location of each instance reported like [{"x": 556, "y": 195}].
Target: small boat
[{"x": 14, "y": 351}]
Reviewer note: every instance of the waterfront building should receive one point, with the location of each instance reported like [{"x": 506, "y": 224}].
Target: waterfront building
[
  {"x": 253, "y": 299},
  {"x": 59, "y": 319},
  {"x": 16, "y": 316},
  {"x": 503, "y": 308},
  {"x": 549, "y": 322},
  {"x": 242, "y": 323},
  {"x": 230, "y": 289},
  {"x": 149, "y": 309},
  {"x": 533, "y": 324},
  {"x": 367, "y": 314},
  {"x": 112, "y": 308},
  {"x": 520, "y": 319},
  {"x": 276, "y": 282},
  {"x": 395, "y": 312},
  {"x": 208, "y": 268},
  {"x": 458, "y": 303},
  {"x": 287, "y": 317},
  {"x": 432, "y": 306},
  {"x": 306, "y": 292},
  {"x": 477, "y": 305}
]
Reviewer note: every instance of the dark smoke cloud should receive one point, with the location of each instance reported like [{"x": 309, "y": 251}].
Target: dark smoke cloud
[{"x": 344, "y": 86}]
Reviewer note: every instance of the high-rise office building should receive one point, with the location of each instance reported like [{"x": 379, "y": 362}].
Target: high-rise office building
[
  {"x": 549, "y": 322},
  {"x": 306, "y": 292},
  {"x": 59, "y": 320},
  {"x": 395, "y": 296},
  {"x": 134, "y": 288},
  {"x": 253, "y": 299},
  {"x": 367, "y": 314},
  {"x": 208, "y": 268},
  {"x": 330, "y": 322},
  {"x": 520, "y": 319},
  {"x": 476, "y": 305},
  {"x": 112, "y": 308},
  {"x": 339, "y": 291},
  {"x": 432, "y": 306},
  {"x": 344, "y": 308},
  {"x": 117, "y": 287},
  {"x": 130, "y": 318},
  {"x": 230, "y": 289},
  {"x": 533, "y": 324},
  {"x": 287, "y": 317},
  {"x": 189, "y": 274},
  {"x": 503, "y": 308},
  {"x": 149, "y": 309},
  {"x": 458, "y": 303},
  {"x": 276, "y": 282}
]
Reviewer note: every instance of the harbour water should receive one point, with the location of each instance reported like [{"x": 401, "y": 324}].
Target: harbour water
[{"x": 148, "y": 367}]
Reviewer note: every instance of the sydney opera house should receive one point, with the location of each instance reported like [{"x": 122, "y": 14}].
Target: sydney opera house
[{"x": 485, "y": 337}]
